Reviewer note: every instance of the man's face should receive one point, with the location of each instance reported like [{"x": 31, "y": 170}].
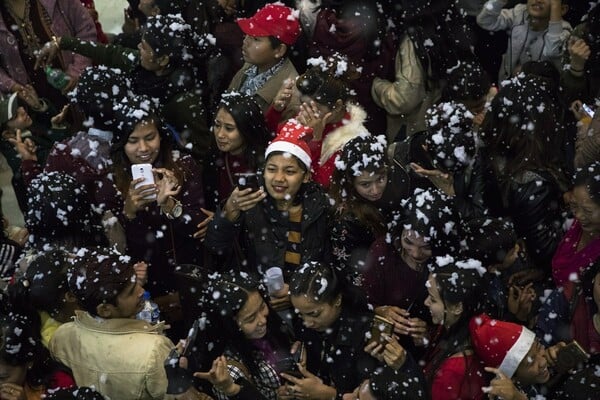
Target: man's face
[
  {"x": 21, "y": 120},
  {"x": 129, "y": 301}
]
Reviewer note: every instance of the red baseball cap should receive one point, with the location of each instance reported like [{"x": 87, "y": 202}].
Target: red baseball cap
[{"x": 275, "y": 20}]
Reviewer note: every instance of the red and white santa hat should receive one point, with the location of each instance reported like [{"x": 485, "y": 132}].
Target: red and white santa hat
[
  {"x": 293, "y": 138},
  {"x": 500, "y": 344}
]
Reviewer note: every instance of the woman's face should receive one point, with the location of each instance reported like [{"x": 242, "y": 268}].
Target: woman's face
[
  {"x": 12, "y": 374},
  {"x": 371, "y": 185},
  {"x": 143, "y": 145},
  {"x": 586, "y": 210},
  {"x": 434, "y": 301},
  {"x": 415, "y": 249},
  {"x": 148, "y": 59},
  {"x": 317, "y": 316},
  {"x": 252, "y": 318},
  {"x": 534, "y": 367},
  {"x": 21, "y": 120},
  {"x": 227, "y": 135},
  {"x": 284, "y": 177}
]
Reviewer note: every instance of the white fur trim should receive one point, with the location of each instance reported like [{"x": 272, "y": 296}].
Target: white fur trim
[
  {"x": 336, "y": 139},
  {"x": 287, "y": 147},
  {"x": 517, "y": 352},
  {"x": 11, "y": 102}
]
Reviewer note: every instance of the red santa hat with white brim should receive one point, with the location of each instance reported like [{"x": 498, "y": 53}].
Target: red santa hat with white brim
[
  {"x": 500, "y": 344},
  {"x": 293, "y": 138}
]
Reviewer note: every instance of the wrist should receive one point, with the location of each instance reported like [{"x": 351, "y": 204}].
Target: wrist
[
  {"x": 129, "y": 215},
  {"x": 172, "y": 208},
  {"x": 230, "y": 390}
]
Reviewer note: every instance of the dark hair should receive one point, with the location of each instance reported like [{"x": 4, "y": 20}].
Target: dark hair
[
  {"x": 450, "y": 138},
  {"x": 458, "y": 281},
  {"x": 590, "y": 177},
  {"x": 98, "y": 89},
  {"x": 362, "y": 153},
  {"x": 522, "y": 127},
  {"x": 169, "y": 35},
  {"x": 59, "y": 213},
  {"x": 20, "y": 344},
  {"x": 42, "y": 287},
  {"x": 320, "y": 283},
  {"x": 130, "y": 113},
  {"x": 371, "y": 18},
  {"x": 98, "y": 276},
  {"x": 327, "y": 83},
  {"x": 250, "y": 122},
  {"x": 74, "y": 393},
  {"x": 225, "y": 296},
  {"x": 489, "y": 239},
  {"x": 431, "y": 213},
  {"x": 467, "y": 82},
  {"x": 317, "y": 281}
]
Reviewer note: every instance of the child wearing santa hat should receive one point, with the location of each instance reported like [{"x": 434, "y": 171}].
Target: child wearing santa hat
[{"x": 514, "y": 355}]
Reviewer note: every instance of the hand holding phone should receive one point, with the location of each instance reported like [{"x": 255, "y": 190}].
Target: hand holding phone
[
  {"x": 191, "y": 339},
  {"x": 569, "y": 356},
  {"x": 143, "y": 171},
  {"x": 380, "y": 327},
  {"x": 246, "y": 180}
]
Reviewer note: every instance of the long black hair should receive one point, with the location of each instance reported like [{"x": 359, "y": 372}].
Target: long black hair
[
  {"x": 250, "y": 123},
  {"x": 458, "y": 281},
  {"x": 224, "y": 298}
]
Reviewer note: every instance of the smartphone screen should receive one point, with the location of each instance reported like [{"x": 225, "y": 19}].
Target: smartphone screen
[
  {"x": 246, "y": 180},
  {"x": 143, "y": 171}
]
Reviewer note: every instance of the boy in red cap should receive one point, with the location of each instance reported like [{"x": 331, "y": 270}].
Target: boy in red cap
[
  {"x": 514, "y": 355},
  {"x": 269, "y": 35}
]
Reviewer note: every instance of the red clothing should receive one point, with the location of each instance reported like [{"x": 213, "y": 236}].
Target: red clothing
[
  {"x": 582, "y": 322},
  {"x": 388, "y": 281},
  {"x": 459, "y": 378},
  {"x": 322, "y": 173},
  {"x": 568, "y": 260}
]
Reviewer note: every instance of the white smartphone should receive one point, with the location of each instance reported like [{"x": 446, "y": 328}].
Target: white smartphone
[
  {"x": 588, "y": 110},
  {"x": 143, "y": 171}
]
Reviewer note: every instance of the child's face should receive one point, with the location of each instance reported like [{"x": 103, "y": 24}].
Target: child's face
[
  {"x": 20, "y": 121},
  {"x": 533, "y": 368},
  {"x": 257, "y": 50},
  {"x": 539, "y": 8}
]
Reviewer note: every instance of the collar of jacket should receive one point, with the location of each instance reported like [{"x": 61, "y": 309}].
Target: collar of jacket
[
  {"x": 337, "y": 138},
  {"x": 314, "y": 202},
  {"x": 116, "y": 326}
]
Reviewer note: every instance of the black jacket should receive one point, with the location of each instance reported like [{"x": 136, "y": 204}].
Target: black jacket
[{"x": 262, "y": 232}]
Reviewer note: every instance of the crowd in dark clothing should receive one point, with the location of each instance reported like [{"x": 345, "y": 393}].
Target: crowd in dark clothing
[{"x": 310, "y": 199}]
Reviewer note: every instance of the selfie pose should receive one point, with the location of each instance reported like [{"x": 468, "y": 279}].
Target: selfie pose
[
  {"x": 285, "y": 222},
  {"x": 159, "y": 212},
  {"x": 253, "y": 345}
]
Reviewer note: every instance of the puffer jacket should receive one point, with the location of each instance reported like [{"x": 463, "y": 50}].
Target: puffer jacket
[
  {"x": 122, "y": 358},
  {"x": 262, "y": 232}
]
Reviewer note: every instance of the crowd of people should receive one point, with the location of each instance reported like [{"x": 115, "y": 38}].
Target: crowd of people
[{"x": 310, "y": 199}]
